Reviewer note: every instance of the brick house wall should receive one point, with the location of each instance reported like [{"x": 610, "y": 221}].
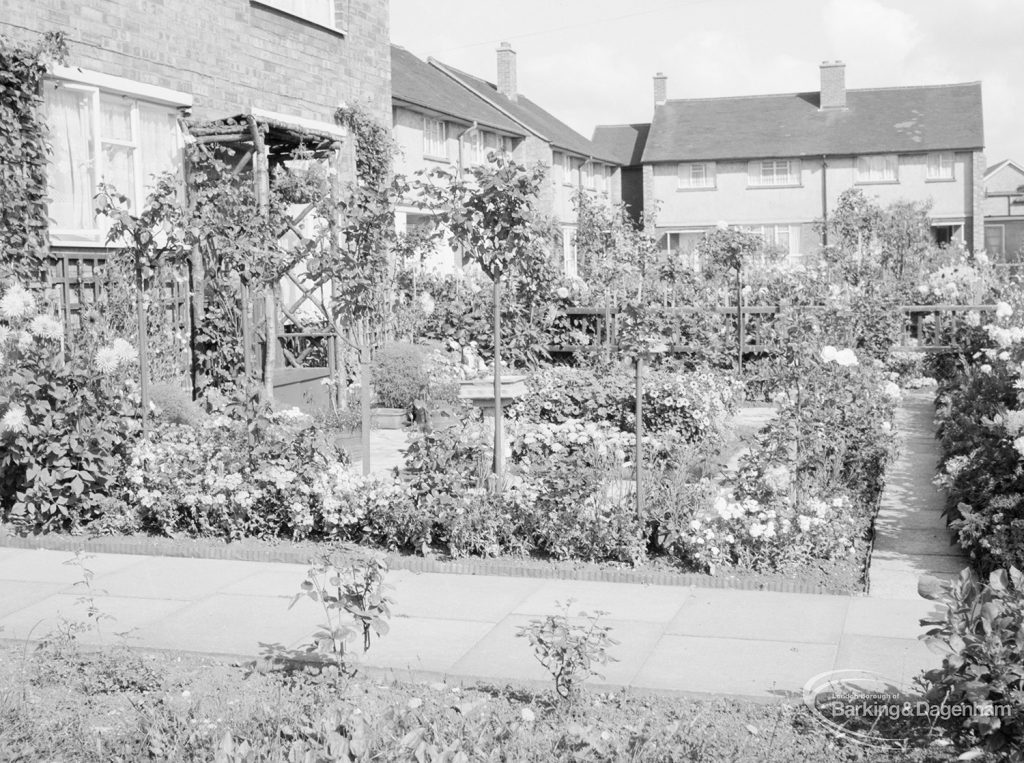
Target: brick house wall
[{"x": 230, "y": 55}]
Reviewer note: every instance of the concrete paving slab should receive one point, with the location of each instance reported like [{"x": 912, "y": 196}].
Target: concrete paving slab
[
  {"x": 897, "y": 659},
  {"x": 282, "y": 582},
  {"x": 895, "y": 576},
  {"x": 763, "y": 669},
  {"x": 621, "y": 601},
  {"x": 891, "y": 618},
  {"x": 16, "y": 594},
  {"x": 175, "y": 577},
  {"x": 502, "y": 654},
  {"x": 916, "y": 540},
  {"x": 761, "y": 616},
  {"x": 36, "y": 620},
  {"x": 49, "y": 566},
  {"x": 461, "y": 597},
  {"x": 233, "y": 625},
  {"x": 425, "y": 644}
]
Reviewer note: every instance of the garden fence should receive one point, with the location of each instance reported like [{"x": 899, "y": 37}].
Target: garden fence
[{"x": 924, "y": 328}]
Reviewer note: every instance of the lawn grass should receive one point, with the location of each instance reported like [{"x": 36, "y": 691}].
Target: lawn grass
[{"x": 60, "y": 703}]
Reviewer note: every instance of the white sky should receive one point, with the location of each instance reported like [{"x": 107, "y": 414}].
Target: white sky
[{"x": 590, "y": 62}]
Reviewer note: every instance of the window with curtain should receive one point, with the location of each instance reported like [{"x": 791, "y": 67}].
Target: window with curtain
[
  {"x": 697, "y": 175},
  {"x": 940, "y": 165},
  {"x": 100, "y": 137},
  {"x": 773, "y": 172},
  {"x": 878, "y": 168},
  {"x": 435, "y": 138}
]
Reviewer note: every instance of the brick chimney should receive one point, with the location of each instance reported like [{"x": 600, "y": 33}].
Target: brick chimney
[
  {"x": 833, "y": 85},
  {"x": 660, "y": 89},
  {"x": 507, "y": 71}
]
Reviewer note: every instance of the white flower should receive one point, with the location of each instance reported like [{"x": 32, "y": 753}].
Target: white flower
[
  {"x": 427, "y": 303},
  {"x": 985, "y": 368},
  {"x": 527, "y": 715},
  {"x": 804, "y": 523},
  {"x": 972, "y": 318},
  {"x": 46, "y": 327},
  {"x": 1003, "y": 310},
  {"x": 829, "y": 353},
  {"x": 106, "y": 360},
  {"x": 756, "y": 530},
  {"x": 1018, "y": 445},
  {"x": 25, "y": 340},
  {"x": 1014, "y": 422},
  {"x": 414, "y": 703},
  {"x": 14, "y": 420},
  {"x": 124, "y": 350},
  {"x": 846, "y": 357},
  {"x": 562, "y": 292},
  {"x": 891, "y": 390},
  {"x": 18, "y": 302}
]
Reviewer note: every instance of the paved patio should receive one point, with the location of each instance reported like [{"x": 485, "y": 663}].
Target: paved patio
[{"x": 462, "y": 627}]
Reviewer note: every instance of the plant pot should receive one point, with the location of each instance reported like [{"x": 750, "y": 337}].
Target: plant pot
[{"x": 388, "y": 418}]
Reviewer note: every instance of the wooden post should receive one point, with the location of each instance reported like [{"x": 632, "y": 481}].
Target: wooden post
[
  {"x": 364, "y": 405},
  {"x": 639, "y": 456},
  {"x": 499, "y": 416},
  {"x": 261, "y": 179},
  {"x": 140, "y": 314},
  {"x": 740, "y": 339}
]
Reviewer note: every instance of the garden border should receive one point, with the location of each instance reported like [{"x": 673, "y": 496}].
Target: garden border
[{"x": 285, "y": 554}]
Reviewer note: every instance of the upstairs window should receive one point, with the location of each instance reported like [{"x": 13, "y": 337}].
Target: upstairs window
[
  {"x": 940, "y": 165},
  {"x": 435, "y": 138},
  {"x": 879, "y": 168},
  {"x": 773, "y": 172},
  {"x": 320, "y": 12},
  {"x": 103, "y": 137},
  {"x": 697, "y": 175}
]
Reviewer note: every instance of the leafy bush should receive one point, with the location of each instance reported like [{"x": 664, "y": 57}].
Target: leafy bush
[
  {"x": 981, "y": 428},
  {"x": 399, "y": 375},
  {"x": 215, "y": 480},
  {"x": 978, "y": 627},
  {"x": 67, "y": 422}
]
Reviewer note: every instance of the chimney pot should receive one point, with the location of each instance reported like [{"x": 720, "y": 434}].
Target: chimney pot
[
  {"x": 833, "y": 85},
  {"x": 660, "y": 89},
  {"x": 507, "y": 84}
]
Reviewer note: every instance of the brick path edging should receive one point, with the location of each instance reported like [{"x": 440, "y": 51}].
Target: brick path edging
[{"x": 498, "y": 567}]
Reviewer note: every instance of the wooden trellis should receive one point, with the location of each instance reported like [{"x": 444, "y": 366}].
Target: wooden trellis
[{"x": 287, "y": 331}]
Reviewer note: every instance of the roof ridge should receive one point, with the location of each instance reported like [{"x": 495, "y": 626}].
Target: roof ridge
[
  {"x": 816, "y": 92},
  {"x": 624, "y": 124}
]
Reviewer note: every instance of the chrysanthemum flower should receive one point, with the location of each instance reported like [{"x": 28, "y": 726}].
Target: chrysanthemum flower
[
  {"x": 46, "y": 327},
  {"x": 14, "y": 420},
  {"x": 18, "y": 302}
]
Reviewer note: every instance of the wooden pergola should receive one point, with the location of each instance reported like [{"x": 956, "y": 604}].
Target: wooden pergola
[{"x": 280, "y": 336}]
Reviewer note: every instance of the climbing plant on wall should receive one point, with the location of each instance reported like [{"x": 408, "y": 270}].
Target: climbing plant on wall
[
  {"x": 23, "y": 153},
  {"x": 373, "y": 143}
]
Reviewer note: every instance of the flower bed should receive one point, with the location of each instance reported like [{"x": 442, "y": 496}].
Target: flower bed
[{"x": 980, "y": 407}]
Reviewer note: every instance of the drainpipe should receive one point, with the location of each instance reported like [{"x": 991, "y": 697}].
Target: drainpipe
[
  {"x": 460, "y": 137},
  {"x": 824, "y": 200}
]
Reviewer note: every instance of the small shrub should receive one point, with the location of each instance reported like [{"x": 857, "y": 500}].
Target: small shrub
[
  {"x": 979, "y": 627},
  {"x": 174, "y": 404},
  {"x": 570, "y": 651},
  {"x": 399, "y": 375}
]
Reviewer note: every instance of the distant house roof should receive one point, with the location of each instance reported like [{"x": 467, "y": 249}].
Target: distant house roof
[
  {"x": 901, "y": 119},
  {"x": 623, "y": 143},
  {"x": 528, "y": 114},
  {"x": 999, "y": 166},
  {"x": 417, "y": 83}
]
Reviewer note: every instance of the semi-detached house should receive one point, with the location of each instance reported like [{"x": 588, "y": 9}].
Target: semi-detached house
[
  {"x": 776, "y": 164},
  {"x": 444, "y": 116}
]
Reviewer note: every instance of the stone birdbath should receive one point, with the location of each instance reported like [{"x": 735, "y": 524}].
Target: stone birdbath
[{"x": 480, "y": 392}]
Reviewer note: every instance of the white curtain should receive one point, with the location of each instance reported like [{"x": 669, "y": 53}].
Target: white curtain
[{"x": 72, "y": 177}]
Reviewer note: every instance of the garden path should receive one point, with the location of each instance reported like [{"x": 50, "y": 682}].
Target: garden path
[
  {"x": 911, "y": 538},
  {"x": 462, "y": 628}
]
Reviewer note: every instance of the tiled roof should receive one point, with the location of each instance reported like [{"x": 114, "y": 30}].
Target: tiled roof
[
  {"x": 417, "y": 83},
  {"x": 904, "y": 119},
  {"x": 529, "y": 114},
  {"x": 623, "y": 143}
]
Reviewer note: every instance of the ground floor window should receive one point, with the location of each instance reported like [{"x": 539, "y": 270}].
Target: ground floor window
[
  {"x": 995, "y": 240},
  {"x": 947, "y": 234},
  {"x": 570, "y": 263}
]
